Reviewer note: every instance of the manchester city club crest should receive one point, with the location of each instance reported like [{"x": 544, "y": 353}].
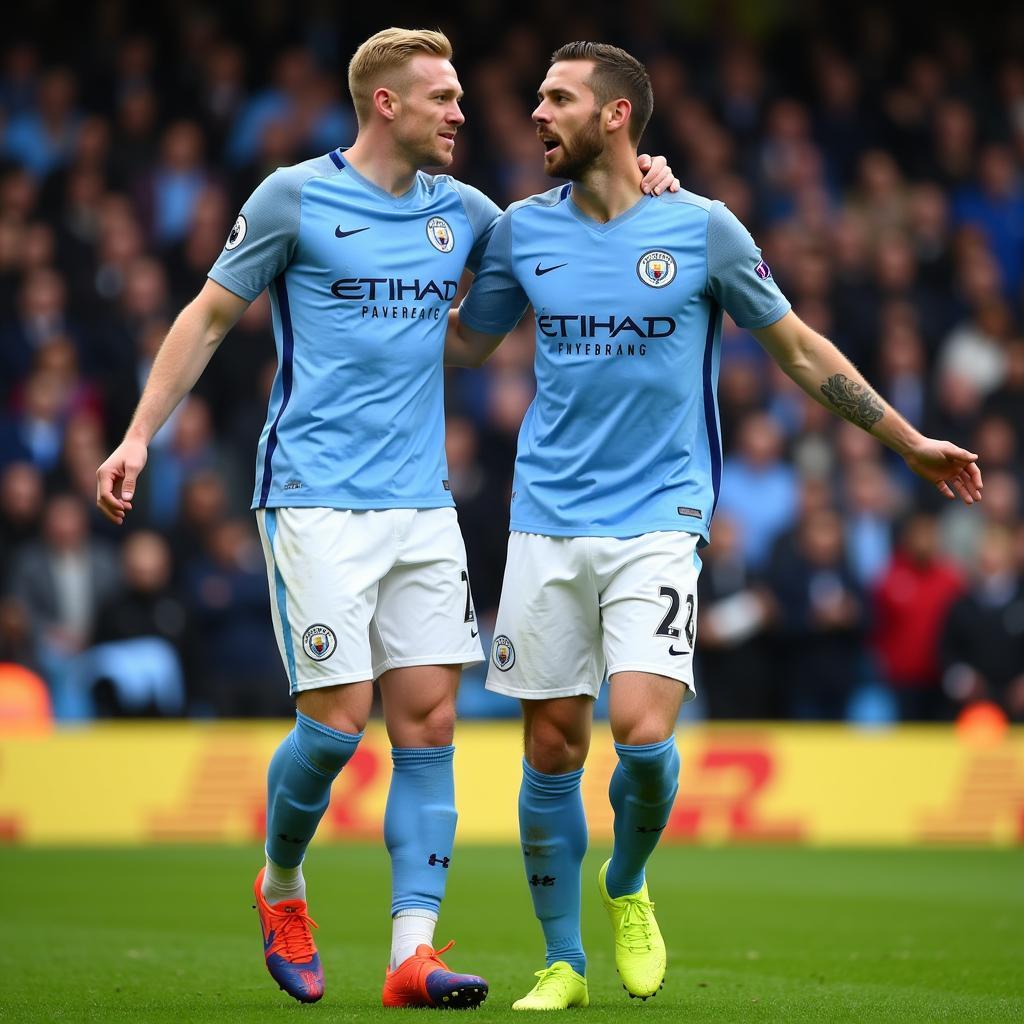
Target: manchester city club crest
[
  {"x": 319, "y": 642},
  {"x": 439, "y": 233},
  {"x": 504, "y": 654},
  {"x": 236, "y": 234},
  {"x": 656, "y": 268}
]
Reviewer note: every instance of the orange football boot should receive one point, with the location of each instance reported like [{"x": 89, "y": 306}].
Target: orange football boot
[
  {"x": 288, "y": 946},
  {"x": 423, "y": 979}
]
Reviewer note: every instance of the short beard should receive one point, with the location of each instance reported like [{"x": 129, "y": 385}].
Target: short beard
[{"x": 587, "y": 146}]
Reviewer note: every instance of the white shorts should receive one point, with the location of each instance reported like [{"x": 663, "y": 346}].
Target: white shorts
[
  {"x": 354, "y": 594},
  {"x": 574, "y": 609}
]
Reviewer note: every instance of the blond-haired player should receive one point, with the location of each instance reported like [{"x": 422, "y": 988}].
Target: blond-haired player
[{"x": 362, "y": 253}]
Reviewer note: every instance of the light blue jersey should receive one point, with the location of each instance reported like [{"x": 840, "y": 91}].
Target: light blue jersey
[
  {"x": 360, "y": 285},
  {"x": 623, "y": 436}
]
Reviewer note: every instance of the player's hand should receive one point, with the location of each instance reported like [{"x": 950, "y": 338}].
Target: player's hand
[
  {"x": 658, "y": 176},
  {"x": 116, "y": 479},
  {"x": 953, "y": 470}
]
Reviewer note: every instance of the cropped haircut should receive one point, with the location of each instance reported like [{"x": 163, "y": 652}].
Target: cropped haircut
[
  {"x": 386, "y": 53},
  {"x": 616, "y": 74}
]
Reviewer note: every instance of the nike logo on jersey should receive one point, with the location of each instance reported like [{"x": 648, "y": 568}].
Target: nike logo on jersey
[
  {"x": 338, "y": 233},
  {"x": 474, "y": 633},
  {"x": 675, "y": 653},
  {"x": 541, "y": 271}
]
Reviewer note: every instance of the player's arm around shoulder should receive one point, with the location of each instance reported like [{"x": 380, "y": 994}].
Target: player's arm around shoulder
[
  {"x": 494, "y": 304},
  {"x": 814, "y": 363},
  {"x": 463, "y": 346},
  {"x": 188, "y": 347}
]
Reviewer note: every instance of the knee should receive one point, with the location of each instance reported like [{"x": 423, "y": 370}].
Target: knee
[
  {"x": 439, "y": 726},
  {"x": 643, "y": 732},
  {"x": 345, "y": 709},
  {"x": 435, "y": 727},
  {"x": 552, "y": 751}
]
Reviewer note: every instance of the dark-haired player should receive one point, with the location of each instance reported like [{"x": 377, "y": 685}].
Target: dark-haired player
[{"x": 617, "y": 474}]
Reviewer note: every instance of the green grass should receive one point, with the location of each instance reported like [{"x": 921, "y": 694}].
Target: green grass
[{"x": 754, "y": 934}]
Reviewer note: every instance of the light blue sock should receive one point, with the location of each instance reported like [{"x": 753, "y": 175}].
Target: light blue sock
[
  {"x": 299, "y": 785},
  {"x": 642, "y": 791},
  {"x": 419, "y": 825},
  {"x": 553, "y": 832}
]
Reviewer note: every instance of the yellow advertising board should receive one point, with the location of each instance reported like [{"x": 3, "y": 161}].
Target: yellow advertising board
[{"x": 823, "y": 785}]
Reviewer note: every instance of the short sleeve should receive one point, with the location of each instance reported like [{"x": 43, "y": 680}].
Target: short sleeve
[
  {"x": 483, "y": 214},
  {"x": 738, "y": 278},
  {"x": 262, "y": 241},
  {"x": 496, "y": 301}
]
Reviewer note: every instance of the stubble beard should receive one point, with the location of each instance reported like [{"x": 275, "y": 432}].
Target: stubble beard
[{"x": 587, "y": 146}]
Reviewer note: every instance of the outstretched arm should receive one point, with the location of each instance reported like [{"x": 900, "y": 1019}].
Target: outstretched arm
[
  {"x": 831, "y": 379},
  {"x": 188, "y": 347},
  {"x": 465, "y": 347}
]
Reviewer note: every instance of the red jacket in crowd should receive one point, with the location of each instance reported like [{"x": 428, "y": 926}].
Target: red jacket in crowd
[{"x": 911, "y": 602}]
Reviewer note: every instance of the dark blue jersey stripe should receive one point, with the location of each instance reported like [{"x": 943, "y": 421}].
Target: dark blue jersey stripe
[
  {"x": 287, "y": 357},
  {"x": 566, "y": 189},
  {"x": 336, "y": 157},
  {"x": 710, "y": 419}
]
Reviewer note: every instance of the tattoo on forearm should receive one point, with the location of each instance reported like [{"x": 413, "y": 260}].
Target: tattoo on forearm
[{"x": 853, "y": 401}]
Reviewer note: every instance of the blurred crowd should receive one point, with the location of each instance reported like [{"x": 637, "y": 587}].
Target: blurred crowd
[{"x": 880, "y": 167}]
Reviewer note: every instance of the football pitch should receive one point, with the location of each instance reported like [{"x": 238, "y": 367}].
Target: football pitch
[{"x": 753, "y": 934}]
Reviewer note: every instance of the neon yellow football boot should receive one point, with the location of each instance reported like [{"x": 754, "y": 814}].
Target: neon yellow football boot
[
  {"x": 639, "y": 948},
  {"x": 558, "y": 988}
]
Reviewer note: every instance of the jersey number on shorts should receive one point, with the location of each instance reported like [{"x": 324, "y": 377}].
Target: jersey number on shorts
[
  {"x": 470, "y": 614},
  {"x": 667, "y": 628}
]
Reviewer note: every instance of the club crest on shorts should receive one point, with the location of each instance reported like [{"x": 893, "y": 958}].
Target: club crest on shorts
[
  {"x": 439, "y": 233},
  {"x": 236, "y": 234},
  {"x": 319, "y": 642},
  {"x": 503, "y": 654},
  {"x": 656, "y": 268}
]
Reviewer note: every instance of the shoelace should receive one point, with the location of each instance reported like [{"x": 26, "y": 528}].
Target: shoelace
[
  {"x": 551, "y": 977},
  {"x": 293, "y": 935},
  {"x": 436, "y": 955},
  {"x": 636, "y": 923}
]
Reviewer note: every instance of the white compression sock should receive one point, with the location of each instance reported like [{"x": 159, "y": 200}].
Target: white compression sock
[
  {"x": 409, "y": 929},
  {"x": 283, "y": 883}
]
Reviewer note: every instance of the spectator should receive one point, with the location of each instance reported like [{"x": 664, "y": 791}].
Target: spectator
[
  {"x": 483, "y": 513},
  {"x": 909, "y": 608},
  {"x": 883, "y": 180},
  {"x": 146, "y": 608},
  {"x": 41, "y": 316},
  {"x": 734, "y": 667},
  {"x": 869, "y": 504},
  {"x": 227, "y": 590},
  {"x": 983, "y": 637},
  {"x": 995, "y": 203},
  {"x": 21, "y": 508},
  {"x": 301, "y": 94},
  {"x": 758, "y": 489},
  {"x": 43, "y": 136},
  {"x": 169, "y": 195},
  {"x": 34, "y": 432},
  {"x": 820, "y": 620},
  {"x": 1008, "y": 400},
  {"x": 62, "y": 581},
  {"x": 191, "y": 449}
]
